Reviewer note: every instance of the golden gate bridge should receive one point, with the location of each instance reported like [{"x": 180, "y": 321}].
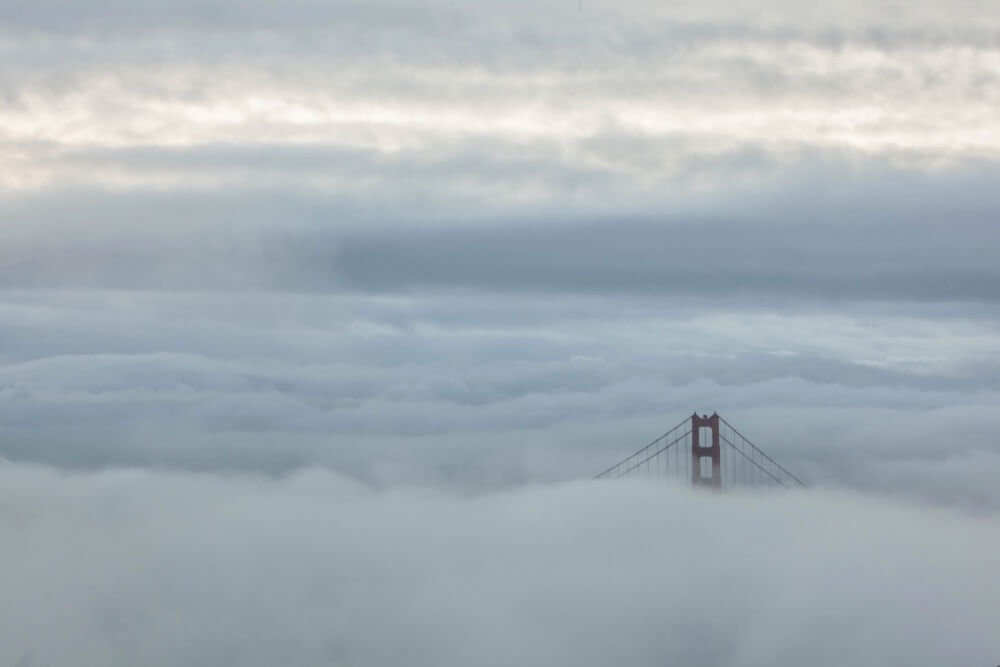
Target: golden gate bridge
[{"x": 709, "y": 452}]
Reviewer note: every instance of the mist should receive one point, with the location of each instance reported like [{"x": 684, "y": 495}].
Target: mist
[
  {"x": 145, "y": 567},
  {"x": 318, "y": 319}
]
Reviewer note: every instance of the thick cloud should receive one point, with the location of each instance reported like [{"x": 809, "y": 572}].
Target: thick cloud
[
  {"x": 138, "y": 567},
  {"x": 314, "y": 315},
  {"x": 875, "y": 233},
  {"x": 490, "y": 390},
  {"x": 912, "y": 259}
]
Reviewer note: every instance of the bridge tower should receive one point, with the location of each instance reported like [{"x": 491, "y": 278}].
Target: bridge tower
[{"x": 706, "y": 459}]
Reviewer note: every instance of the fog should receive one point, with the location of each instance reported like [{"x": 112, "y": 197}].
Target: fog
[
  {"x": 317, "y": 320},
  {"x": 140, "y": 567}
]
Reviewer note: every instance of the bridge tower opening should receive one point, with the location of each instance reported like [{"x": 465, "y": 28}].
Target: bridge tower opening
[{"x": 706, "y": 459}]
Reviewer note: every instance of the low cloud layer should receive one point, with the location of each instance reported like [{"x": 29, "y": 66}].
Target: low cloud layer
[
  {"x": 471, "y": 392},
  {"x": 139, "y": 567}
]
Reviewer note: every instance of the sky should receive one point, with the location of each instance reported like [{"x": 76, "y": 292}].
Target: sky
[{"x": 316, "y": 319}]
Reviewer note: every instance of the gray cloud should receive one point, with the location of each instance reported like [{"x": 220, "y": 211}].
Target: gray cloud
[
  {"x": 877, "y": 234},
  {"x": 481, "y": 390},
  {"x": 905, "y": 261}
]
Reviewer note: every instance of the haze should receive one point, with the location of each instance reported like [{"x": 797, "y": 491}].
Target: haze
[{"x": 317, "y": 319}]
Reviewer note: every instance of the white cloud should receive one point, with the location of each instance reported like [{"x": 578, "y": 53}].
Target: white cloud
[
  {"x": 139, "y": 567},
  {"x": 400, "y": 84}
]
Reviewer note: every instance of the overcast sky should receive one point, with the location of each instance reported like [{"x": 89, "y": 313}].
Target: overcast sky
[{"x": 282, "y": 281}]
